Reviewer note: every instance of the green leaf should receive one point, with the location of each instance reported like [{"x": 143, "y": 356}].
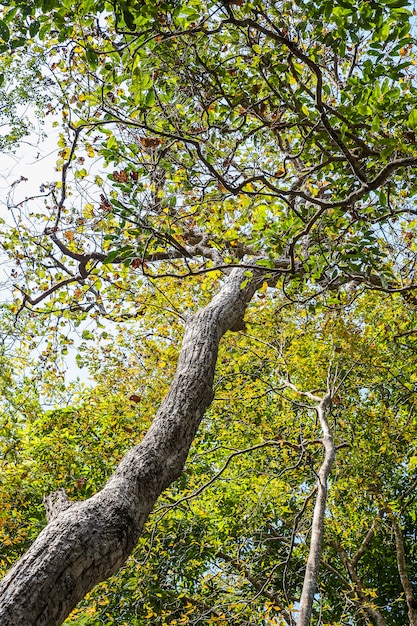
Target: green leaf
[
  {"x": 17, "y": 43},
  {"x": 111, "y": 142},
  {"x": 91, "y": 57},
  {"x": 129, "y": 19},
  {"x": 111, "y": 256},
  {"x": 34, "y": 28},
  {"x": 412, "y": 119},
  {"x": 4, "y": 31},
  {"x": 150, "y": 97},
  {"x": 376, "y": 123}
]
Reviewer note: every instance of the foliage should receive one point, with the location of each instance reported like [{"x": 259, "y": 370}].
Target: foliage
[
  {"x": 235, "y": 550},
  {"x": 272, "y": 134}
]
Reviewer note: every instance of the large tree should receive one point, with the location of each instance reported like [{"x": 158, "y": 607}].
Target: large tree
[{"x": 256, "y": 148}]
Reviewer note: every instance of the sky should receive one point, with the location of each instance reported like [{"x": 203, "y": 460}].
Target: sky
[{"x": 22, "y": 174}]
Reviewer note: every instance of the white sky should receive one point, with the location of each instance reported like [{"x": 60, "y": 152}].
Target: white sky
[{"x": 35, "y": 159}]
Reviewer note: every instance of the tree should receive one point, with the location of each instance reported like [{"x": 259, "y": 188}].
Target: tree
[
  {"x": 257, "y": 148},
  {"x": 229, "y": 538}
]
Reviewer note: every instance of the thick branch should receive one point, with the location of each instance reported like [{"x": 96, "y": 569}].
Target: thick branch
[{"x": 55, "y": 503}]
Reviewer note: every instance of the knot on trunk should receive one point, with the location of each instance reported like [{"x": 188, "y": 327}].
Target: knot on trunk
[{"x": 55, "y": 503}]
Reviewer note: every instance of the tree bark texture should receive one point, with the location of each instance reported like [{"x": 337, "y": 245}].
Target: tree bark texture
[
  {"x": 86, "y": 542},
  {"x": 317, "y": 530},
  {"x": 402, "y": 570}
]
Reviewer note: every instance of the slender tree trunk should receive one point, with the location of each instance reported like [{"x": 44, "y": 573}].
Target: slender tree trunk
[
  {"x": 402, "y": 569},
  {"x": 313, "y": 562},
  {"x": 88, "y": 541}
]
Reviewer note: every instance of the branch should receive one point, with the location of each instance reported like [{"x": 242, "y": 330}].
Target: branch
[
  {"x": 363, "y": 599},
  {"x": 219, "y": 473},
  {"x": 358, "y": 600},
  {"x": 55, "y": 503},
  {"x": 260, "y": 588},
  {"x": 48, "y": 292},
  {"x": 308, "y": 394},
  {"x": 60, "y": 202},
  {"x": 365, "y": 543}
]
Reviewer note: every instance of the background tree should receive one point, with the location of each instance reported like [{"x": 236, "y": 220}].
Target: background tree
[{"x": 256, "y": 150}]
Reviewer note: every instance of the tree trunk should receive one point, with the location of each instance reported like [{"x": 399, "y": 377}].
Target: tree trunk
[
  {"x": 317, "y": 529},
  {"x": 88, "y": 541}
]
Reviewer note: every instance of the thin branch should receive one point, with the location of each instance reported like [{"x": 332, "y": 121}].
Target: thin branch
[
  {"x": 219, "y": 473},
  {"x": 308, "y": 394},
  {"x": 362, "y": 598},
  {"x": 65, "y": 167},
  {"x": 261, "y": 588},
  {"x": 48, "y": 292},
  {"x": 365, "y": 543}
]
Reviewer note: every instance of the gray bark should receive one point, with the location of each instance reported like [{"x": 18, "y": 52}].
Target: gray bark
[
  {"x": 86, "y": 542},
  {"x": 317, "y": 529},
  {"x": 402, "y": 570}
]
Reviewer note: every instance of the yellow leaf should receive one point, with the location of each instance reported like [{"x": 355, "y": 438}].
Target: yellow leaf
[{"x": 88, "y": 210}]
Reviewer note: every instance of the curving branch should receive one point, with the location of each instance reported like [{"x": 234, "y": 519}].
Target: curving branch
[
  {"x": 239, "y": 566},
  {"x": 365, "y": 543}
]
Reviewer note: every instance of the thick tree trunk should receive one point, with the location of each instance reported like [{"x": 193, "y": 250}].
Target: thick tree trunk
[{"x": 87, "y": 542}]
